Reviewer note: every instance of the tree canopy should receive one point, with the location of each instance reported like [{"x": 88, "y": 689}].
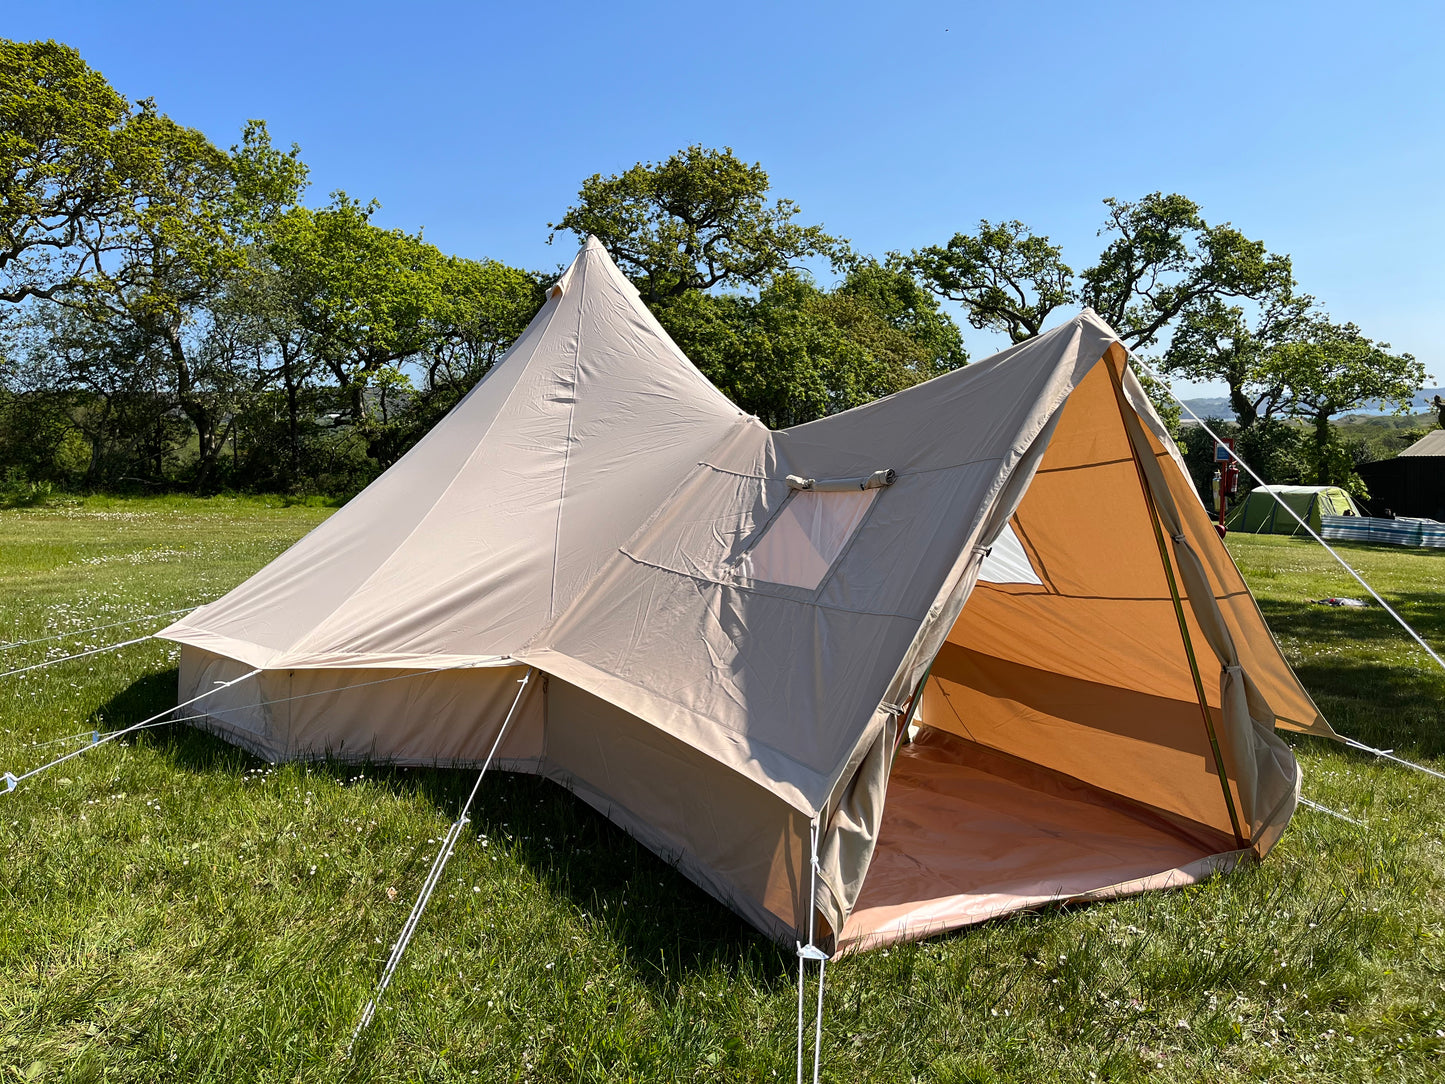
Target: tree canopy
[
  {"x": 699, "y": 220},
  {"x": 1331, "y": 368},
  {"x": 785, "y": 350},
  {"x": 70, "y": 148},
  {"x": 173, "y": 313}
]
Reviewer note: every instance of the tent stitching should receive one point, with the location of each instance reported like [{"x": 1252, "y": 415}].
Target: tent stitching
[{"x": 567, "y": 446}]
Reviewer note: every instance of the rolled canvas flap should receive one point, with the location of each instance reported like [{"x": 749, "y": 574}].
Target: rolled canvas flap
[{"x": 877, "y": 480}]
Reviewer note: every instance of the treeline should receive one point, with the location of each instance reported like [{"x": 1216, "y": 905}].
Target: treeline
[{"x": 174, "y": 316}]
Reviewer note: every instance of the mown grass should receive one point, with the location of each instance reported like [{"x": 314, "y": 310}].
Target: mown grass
[{"x": 176, "y": 910}]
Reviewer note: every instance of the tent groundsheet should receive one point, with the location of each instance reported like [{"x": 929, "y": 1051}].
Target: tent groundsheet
[{"x": 905, "y": 626}]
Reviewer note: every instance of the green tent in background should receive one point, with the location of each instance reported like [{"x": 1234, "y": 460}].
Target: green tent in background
[{"x": 1260, "y": 513}]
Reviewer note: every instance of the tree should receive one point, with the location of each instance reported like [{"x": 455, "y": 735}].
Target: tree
[
  {"x": 785, "y": 350},
  {"x": 482, "y": 307},
  {"x": 1332, "y": 368},
  {"x": 1164, "y": 258},
  {"x": 1007, "y": 278},
  {"x": 177, "y": 247},
  {"x": 374, "y": 308},
  {"x": 697, "y": 221},
  {"x": 1219, "y": 341},
  {"x": 795, "y": 352},
  {"x": 70, "y": 148}
]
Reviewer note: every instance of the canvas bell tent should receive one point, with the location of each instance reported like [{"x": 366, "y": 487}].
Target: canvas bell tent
[
  {"x": 736, "y": 628},
  {"x": 1260, "y": 511}
]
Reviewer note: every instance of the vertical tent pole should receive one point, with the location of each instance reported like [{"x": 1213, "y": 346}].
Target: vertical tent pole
[{"x": 1117, "y": 380}]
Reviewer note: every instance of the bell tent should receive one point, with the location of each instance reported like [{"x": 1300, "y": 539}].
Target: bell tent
[
  {"x": 898, "y": 645},
  {"x": 1260, "y": 511}
]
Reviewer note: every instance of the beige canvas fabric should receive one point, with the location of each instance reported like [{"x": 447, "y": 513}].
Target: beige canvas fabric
[{"x": 729, "y": 657}]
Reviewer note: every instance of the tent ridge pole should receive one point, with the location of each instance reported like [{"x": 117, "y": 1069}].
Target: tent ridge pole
[{"x": 1168, "y": 566}]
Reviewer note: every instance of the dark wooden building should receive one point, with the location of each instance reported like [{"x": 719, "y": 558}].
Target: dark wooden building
[{"x": 1411, "y": 484}]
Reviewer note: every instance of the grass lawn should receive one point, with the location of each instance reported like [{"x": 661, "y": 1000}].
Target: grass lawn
[{"x": 173, "y": 909}]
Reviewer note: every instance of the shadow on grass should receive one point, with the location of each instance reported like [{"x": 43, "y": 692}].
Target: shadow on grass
[
  {"x": 669, "y": 930},
  {"x": 1371, "y": 681}
]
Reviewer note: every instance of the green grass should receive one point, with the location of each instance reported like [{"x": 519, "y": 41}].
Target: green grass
[{"x": 174, "y": 910}]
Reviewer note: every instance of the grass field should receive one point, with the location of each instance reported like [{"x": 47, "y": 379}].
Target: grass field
[{"x": 174, "y": 910}]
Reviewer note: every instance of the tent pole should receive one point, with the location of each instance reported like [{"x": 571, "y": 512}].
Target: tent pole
[
  {"x": 1168, "y": 566},
  {"x": 902, "y": 735}
]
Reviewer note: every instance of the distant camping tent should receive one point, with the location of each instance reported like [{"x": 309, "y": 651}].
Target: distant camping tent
[
  {"x": 1260, "y": 513},
  {"x": 738, "y": 627}
]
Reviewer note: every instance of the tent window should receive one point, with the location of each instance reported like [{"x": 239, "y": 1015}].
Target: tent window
[
  {"x": 1008, "y": 561},
  {"x": 802, "y": 543}
]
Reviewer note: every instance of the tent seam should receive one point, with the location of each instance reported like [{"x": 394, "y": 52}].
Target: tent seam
[
  {"x": 481, "y": 441},
  {"x": 567, "y": 449}
]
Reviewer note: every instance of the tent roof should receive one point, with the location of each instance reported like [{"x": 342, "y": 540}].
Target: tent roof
[
  {"x": 1287, "y": 490},
  {"x": 489, "y": 526}
]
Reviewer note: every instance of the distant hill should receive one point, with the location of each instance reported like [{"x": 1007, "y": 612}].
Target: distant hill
[
  {"x": 1425, "y": 416},
  {"x": 1210, "y": 408}
]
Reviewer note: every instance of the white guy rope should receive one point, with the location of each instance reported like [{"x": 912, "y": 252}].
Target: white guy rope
[
  {"x": 1389, "y": 754},
  {"x": 1317, "y": 807},
  {"x": 434, "y": 876},
  {"x": 95, "y": 738},
  {"x": 1250, "y": 470},
  {"x": 808, "y": 952},
  {"x": 79, "y": 655},
  {"x": 88, "y": 735},
  {"x": 1385, "y": 753},
  {"x": 12, "y": 781},
  {"x": 98, "y": 628}
]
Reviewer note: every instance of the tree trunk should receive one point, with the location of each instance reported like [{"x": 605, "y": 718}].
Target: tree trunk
[
  {"x": 1244, "y": 413},
  {"x": 1322, "y": 450},
  {"x": 293, "y": 421},
  {"x": 195, "y": 409}
]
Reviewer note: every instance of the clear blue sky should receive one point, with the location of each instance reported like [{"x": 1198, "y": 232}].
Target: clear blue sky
[{"x": 1316, "y": 127}]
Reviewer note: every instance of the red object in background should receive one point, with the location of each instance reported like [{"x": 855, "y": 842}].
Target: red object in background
[{"x": 1228, "y": 480}]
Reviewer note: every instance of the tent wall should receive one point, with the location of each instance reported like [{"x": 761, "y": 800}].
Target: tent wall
[
  {"x": 1086, "y": 674},
  {"x": 738, "y": 842},
  {"x": 438, "y": 719},
  {"x": 742, "y": 844}
]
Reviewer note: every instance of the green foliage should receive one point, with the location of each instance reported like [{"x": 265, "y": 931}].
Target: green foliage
[
  {"x": 1273, "y": 447},
  {"x": 186, "y": 321},
  {"x": 1007, "y": 278},
  {"x": 1218, "y": 341},
  {"x": 68, "y": 158},
  {"x": 699, "y": 220},
  {"x": 795, "y": 352},
  {"x": 787, "y": 351},
  {"x": 176, "y": 910},
  {"x": 1164, "y": 258},
  {"x": 359, "y": 302},
  {"x": 1330, "y": 368}
]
